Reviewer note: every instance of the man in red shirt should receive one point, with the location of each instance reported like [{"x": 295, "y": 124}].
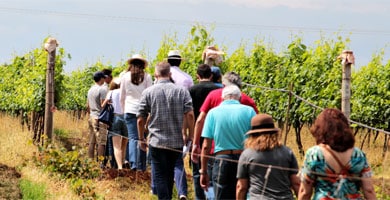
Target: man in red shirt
[{"x": 213, "y": 99}]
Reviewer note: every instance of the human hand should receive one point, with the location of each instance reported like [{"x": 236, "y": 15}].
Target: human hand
[
  {"x": 142, "y": 145},
  {"x": 204, "y": 181},
  {"x": 195, "y": 153}
]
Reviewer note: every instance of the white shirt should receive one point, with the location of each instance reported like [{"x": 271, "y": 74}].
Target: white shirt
[
  {"x": 181, "y": 78},
  {"x": 131, "y": 94}
]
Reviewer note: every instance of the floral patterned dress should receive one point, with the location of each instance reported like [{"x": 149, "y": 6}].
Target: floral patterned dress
[{"x": 330, "y": 185}]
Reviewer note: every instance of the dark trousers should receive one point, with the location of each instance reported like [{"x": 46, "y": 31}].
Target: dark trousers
[
  {"x": 224, "y": 176},
  {"x": 163, "y": 161}
]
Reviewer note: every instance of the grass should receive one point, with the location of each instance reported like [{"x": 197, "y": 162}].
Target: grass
[
  {"x": 17, "y": 149},
  {"x": 32, "y": 190}
]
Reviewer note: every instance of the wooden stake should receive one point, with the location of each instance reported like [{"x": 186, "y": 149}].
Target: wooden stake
[{"x": 50, "y": 47}]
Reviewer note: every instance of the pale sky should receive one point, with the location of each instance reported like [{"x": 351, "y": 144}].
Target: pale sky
[{"x": 110, "y": 30}]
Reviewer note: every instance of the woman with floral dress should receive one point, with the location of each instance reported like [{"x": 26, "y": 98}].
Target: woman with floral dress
[{"x": 334, "y": 168}]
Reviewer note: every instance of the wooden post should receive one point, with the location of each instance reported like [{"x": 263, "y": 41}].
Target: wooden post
[
  {"x": 287, "y": 127},
  {"x": 50, "y": 47},
  {"x": 347, "y": 59}
]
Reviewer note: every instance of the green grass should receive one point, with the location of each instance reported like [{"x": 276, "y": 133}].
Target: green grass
[{"x": 32, "y": 190}]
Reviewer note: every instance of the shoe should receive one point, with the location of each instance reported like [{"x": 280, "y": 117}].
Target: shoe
[
  {"x": 126, "y": 165},
  {"x": 183, "y": 197}
]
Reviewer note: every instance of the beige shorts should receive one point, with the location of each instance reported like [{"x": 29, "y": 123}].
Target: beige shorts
[{"x": 97, "y": 132}]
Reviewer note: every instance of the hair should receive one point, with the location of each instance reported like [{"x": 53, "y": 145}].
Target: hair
[
  {"x": 231, "y": 92},
  {"x": 163, "y": 69},
  {"x": 231, "y": 78},
  {"x": 176, "y": 61},
  {"x": 263, "y": 141},
  {"x": 204, "y": 71},
  {"x": 107, "y": 72},
  {"x": 137, "y": 70},
  {"x": 114, "y": 85},
  {"x": 332, "y": 128}
]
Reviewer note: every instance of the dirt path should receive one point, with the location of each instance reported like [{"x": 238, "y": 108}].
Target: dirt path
[{"x": 9, "y": 184}]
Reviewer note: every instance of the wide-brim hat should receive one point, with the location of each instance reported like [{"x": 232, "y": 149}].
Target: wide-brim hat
[
  {"x": 174, "y": 54},
  {"x": 263, "y": 123},
  {"x": 138, "y": 57}
]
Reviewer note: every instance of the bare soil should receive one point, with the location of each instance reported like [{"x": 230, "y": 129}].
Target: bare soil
[{"x": 9, "y": 183}]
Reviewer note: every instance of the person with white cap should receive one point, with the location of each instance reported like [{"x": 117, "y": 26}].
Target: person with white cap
[
  {"x": 133, "y": 83},
  {"x": 179, "y": 77},
  {"x": 183, "y": 79},
  {"x": 263, "y": 149},
  {"x": 228, "y": 132}
]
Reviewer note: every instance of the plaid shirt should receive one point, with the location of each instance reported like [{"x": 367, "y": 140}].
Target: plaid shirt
[{"x": 166, "y": 103}]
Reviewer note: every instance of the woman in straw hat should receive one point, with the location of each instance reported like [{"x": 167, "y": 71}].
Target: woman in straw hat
[
  {"x": 266, "y": 168},
  {"x": 133, "y": 82}
]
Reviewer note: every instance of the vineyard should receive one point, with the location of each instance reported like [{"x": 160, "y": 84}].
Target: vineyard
[{"x": 312, "y": 74}]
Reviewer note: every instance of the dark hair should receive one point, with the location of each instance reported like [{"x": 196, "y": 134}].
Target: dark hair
[
  {"x": 332, "y": 128},
  {"x": 137, "y": 73},
  {"x": 204, "y": 71},
  {"x": 175, "y": 61},
  {"x": 107, "y": 72}
]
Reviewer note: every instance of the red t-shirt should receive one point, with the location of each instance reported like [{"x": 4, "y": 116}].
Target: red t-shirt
[{"x": 214, "y": 98}]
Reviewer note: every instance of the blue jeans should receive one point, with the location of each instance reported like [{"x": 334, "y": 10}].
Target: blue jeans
[
  {"x": 163, "y": 162},
  {"x": 224, "y": 176},
  {"x": 210, "y": 192},
  {"x": 180, "y": 177},
  {"x": 109, "y": 153},
  {"x": 135, "y": 156}
]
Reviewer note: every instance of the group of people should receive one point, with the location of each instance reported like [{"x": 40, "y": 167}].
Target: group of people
[{"x": 236, "y": 151}]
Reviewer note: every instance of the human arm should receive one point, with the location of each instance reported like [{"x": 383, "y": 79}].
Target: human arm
[
  {"x": 305, "y": 190},
  {"x": 189, "y": 123},
  {"x": 295, "y": 183},
  {"x": 368, "y": 188},
  {"x": 197, "y": 133},
  {"x": 204, "y": 178},
  {"x": 141, "y": 121},
  {"x": 241, "y": 188},
  {"x": 105, "y": 101},
  {"x": 123, "y": 94}
]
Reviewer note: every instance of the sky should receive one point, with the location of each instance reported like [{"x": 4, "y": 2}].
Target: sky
[{"x": 110, "y": 30}]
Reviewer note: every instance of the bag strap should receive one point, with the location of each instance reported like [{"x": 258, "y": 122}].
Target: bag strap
[{"x": 344, "y": 170}]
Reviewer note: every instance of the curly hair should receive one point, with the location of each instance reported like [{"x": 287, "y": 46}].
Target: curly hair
[
  {"x": 332, "y": 128},
  {"x": 263, "y": 141}
]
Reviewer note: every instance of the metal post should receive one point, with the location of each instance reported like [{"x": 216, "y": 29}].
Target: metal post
[
  {"x": 347, "y": 59},
  {"x": 50, "y": 47}
]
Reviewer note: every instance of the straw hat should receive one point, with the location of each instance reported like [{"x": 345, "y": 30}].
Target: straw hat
[
  {"x": 138, "y": 57},
  {"x": 174, "y": 54},
  {"x": 263, "y": 123}
]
